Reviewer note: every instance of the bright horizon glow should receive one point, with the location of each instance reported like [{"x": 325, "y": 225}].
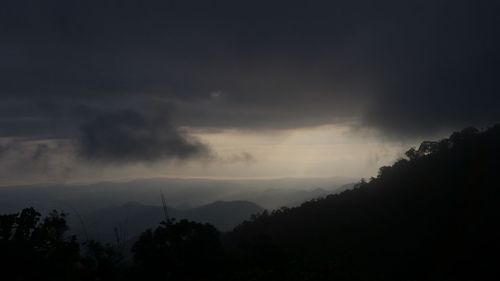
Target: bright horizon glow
[{"x": 328, "y": 151}]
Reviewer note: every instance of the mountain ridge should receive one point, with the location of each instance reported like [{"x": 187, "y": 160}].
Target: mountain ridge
[
  {"x": 431, "y": 216},
  {"x": 131, "y": 218}
]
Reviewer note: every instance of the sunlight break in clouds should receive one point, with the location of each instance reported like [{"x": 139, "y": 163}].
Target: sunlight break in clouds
[
  {"x": 325, "y": 151},
  {"x": 320, "y": 152}
]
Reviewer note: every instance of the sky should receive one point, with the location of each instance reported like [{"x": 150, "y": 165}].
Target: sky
[{"x": 104, "y": 90}]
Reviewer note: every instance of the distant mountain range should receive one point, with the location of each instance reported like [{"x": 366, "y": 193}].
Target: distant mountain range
[
  {"x": 130, "y": 219},
  {"x": 179, "y": 193},
  {"x": 109, "y": 210}
]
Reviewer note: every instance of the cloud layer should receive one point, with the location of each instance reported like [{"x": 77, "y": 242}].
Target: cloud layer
[
  {"x": 101, "y": 72},
  {"x": 127, "y": 136}
]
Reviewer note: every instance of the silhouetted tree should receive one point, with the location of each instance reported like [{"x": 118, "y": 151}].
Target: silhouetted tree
[
  {"x": 181, "y": 250},
  {"x": 31, "y": 249},
  {"x": 102, "y": 262}
]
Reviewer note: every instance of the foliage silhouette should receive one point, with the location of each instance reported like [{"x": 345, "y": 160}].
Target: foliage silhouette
[
  {"x": 181, "y": 250},
  {"x": 31, "y": 248},
  {"x": 36, "y": 249}
]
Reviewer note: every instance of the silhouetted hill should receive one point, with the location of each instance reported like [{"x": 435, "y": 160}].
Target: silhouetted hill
[
  {"x": 433, "y": 216},
  {"x": 179, "y": 193},
  {"x": 223, "y": 215},
  {"x": 130, "y": 219}
]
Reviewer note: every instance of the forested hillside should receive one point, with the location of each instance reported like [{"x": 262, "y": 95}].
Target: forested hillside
[{"x": 432, "y": 216}]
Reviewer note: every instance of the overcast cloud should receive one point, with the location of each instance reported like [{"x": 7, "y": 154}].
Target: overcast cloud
[{"x": 102, "y": 73}]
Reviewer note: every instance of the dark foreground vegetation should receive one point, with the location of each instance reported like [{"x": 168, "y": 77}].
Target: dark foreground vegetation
[{"x": 432, "y": 216}]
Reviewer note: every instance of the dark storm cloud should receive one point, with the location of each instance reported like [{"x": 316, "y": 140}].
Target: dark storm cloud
[
  {"x": 127, "y": 136},
  {"x": 405, "y": 67},
  {"x": 24, "y": 158}
]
